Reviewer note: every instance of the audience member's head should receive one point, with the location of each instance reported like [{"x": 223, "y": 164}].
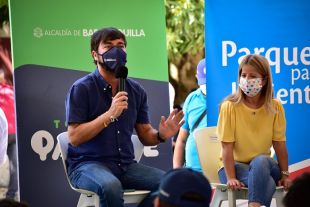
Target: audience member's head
[
  {"x": 201, "y": 72},
  {"x": 183, "y": 187},
  {"x": 201, "y": 76},
  {"x": 11, "y": 203},
  {"x": 299, "y": 192}
]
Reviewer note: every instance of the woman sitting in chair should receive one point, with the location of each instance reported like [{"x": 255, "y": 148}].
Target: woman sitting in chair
[{"x": 250, "y": 122}]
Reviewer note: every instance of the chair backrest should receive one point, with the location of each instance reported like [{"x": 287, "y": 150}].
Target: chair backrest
[
  {"x": 209, "y": 148},
  {"x": 137, "y": 146},
  {"x": 63, "y": 141}
]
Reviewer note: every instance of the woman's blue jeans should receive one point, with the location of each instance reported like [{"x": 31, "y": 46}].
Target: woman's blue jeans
[
  {"x": 96, "y": 177},
  {"x": 260, "y": 176}
]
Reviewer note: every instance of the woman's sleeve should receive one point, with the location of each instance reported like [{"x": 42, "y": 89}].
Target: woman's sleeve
[
  {"x": 226, "y": 122},
  {"x": 279, "y": 126}
]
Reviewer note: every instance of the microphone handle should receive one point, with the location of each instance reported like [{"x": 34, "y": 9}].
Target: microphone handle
[
  {"x": 121, "y": 87},
  {"x": 121, "y": 84}
]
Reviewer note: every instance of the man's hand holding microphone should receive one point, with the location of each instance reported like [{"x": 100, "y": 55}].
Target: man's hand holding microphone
[{"x": 120, "y": 101}]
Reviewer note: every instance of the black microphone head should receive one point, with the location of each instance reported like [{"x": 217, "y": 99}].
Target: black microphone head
[{"x": 121, "y": 72}]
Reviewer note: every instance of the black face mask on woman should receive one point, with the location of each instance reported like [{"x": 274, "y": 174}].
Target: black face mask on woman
[{"x": 113, "y": 58}]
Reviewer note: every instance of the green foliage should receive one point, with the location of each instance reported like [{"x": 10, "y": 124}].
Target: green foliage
[
  {"x": 3, "y": 2},
  {"x": 185, "y": 28},
  {"x": 4, "y": 12}
]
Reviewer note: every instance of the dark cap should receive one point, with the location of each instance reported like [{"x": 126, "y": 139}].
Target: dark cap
[{"x": 184, "y": 187}]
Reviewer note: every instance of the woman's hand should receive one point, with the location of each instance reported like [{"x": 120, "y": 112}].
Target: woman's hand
[
  {"x": 234, "y": 184},
  {"x": 285, "y": 182}
]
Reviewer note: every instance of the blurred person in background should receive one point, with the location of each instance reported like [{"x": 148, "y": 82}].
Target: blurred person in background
[
  {"x": 3, "y": 137},
  {"x": 7, "y": 105},
  {"x": 194, "y": 109}
]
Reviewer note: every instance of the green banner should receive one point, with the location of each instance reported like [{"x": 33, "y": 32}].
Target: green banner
[{"x": 57, "y": 33}]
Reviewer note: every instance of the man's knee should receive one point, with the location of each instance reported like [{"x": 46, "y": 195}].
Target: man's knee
[{"x": 112, "y": 186}]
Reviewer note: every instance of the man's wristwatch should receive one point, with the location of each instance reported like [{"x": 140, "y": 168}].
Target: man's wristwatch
[
  {"x": 159, "y": 138},
  {"x": 286, "y": 173},
  {"x": 112, "y": 119}
]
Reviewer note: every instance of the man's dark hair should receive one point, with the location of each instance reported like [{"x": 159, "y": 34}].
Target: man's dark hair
[
  {"x": 298, "y": 193},
  {"x": 11, "y": 203},
  {"x": 104, "y": 35}
]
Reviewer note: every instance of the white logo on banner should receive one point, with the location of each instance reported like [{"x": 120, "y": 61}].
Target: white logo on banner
[
  {"x": 39, "y": 32},
  {"x": 42, "y": 143}
]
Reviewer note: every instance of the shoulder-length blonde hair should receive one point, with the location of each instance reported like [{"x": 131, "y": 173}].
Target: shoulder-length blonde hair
[{"x": 261, "y": 65}]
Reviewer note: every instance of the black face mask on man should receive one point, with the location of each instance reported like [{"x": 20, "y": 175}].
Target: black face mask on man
[{"x": 113, "y": 58}]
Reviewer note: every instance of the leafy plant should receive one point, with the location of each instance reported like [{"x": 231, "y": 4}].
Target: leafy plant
[
  {"x": 185, "y": 27},
  {"x": 4, "y": 12},
  {"x": 185, "y": 43}
]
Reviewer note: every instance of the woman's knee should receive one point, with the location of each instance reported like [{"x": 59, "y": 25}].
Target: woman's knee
[
  {"x": 261, "y": 161},
  {"x": 222, "y": 175}
]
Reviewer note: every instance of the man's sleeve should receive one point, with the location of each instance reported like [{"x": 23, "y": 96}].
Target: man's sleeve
[
  {"x": 77, "y": 105},
  {"x": 143, "y": 109}
]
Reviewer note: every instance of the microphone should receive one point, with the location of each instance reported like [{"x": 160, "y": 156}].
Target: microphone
[{"x": 121, "y": 73}]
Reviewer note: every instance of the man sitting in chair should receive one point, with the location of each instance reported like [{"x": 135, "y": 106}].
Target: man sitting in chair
[{"x": 101, "y": 120}]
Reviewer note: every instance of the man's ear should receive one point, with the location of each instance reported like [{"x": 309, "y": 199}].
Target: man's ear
[
  {"x": 95, "y": 55},
  {"x": 156, "y": 202}
]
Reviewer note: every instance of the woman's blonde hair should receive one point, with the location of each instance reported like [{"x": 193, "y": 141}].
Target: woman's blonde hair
[{"x": 261, "y": 65}]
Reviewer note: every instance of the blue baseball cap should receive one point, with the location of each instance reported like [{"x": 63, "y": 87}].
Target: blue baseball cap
[
  {"x": 201, "y": 72},
  {"x": 184, "y": 187}
]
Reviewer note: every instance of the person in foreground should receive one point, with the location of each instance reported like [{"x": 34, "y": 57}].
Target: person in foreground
[
  {"x": 183, "y": 187},
  {"x": 250, "y": 122},
  {"x": 7, "y": 105},
  {"x": 195, "y": 117},
  {"x": 101, "y": 120},
  {"x": 7, "y": 202},
  {"x": 299, "y": 191}
]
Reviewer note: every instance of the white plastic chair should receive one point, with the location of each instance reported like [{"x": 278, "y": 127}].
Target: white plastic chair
[
  {"x": 209, "y": 148},
  {"x": 89, "y": 198}
]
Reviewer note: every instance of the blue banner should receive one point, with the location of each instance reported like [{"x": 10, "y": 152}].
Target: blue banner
[{"x": 278, "y": 30}]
